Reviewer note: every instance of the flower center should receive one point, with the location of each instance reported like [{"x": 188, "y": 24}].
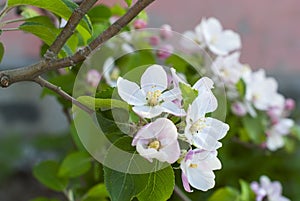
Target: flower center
[
  {"x": 198, "y": 126},
  {"x": 115, "y": 74},
  {"x": 153, "y": 97},
  {"x": 155, "y": 144},
  {"x": 193, "y": 165}
]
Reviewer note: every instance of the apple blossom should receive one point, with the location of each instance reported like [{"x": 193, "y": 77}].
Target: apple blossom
[
  {"x": 93, "y": 77},
  {"x": 110, "y": 72},
  {"x": 239, "y": 109},
  {"x": 154, "y": 40},
  {"x": 262, "y": 90},
  {"x": 275, "y": 134},
  {"x": 268, "y": 190},
  {"x": 197, "y": 169},
  {"x": 289, "y": 104},
  {"x": 152, "y": 98},
  {"x": 204, "y": 132},
  {"x": 195, "y": 36},
  {"x": 158, "y": 140},
  {"x": 228, "y": 68},
  {"x": 219, "y": 41}
]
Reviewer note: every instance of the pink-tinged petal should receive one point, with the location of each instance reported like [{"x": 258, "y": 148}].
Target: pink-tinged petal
[
  {"x": 166, "y": 131},
  {"x": 204, "y": 84},
  {"x": 177, "y": 78},
  {"x": 149, "y": 154},
  {"x": 154, "y": 78},
  {"x": 148, "y": 111},
  {"x": 172, "y": 108},
  {"x": 284, "y": 126},
  {"x": 274, "y": 141},
  {"x": 130, "y": 92},
  {"x": 185, "y": 183}
]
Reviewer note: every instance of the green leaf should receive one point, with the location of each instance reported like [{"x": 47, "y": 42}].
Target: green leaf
[
  {"x": 295, "y": 131},
  {"x": 129, "y": 2},
  {"x": 255, "y": 128},
  {"x": 98, "y": 191},
  {"x": 100, "y": 103},
  {"x": 246, "y": 193},
  {"x": 46, "y": 173},
  {"x": 177, "y": 62},
  {"x": 241, "y": 87},
  {"x": 160, "y": 186},
  {"x": 99, "y": 13},
  {"x": 124, "y": 186},
  {"x": 117, "y": 10},
  {"x": 1, "y": 51},
  {"x": 28, "y": 12},
  {"x": 225, "y": 194},
  {"x": 188, "y": 93},
  {"x": 75, "y": 164},
  {"x": 62, "y": 8}
]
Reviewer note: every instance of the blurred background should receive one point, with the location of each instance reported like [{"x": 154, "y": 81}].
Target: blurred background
[{"x": 29, "y": 126}]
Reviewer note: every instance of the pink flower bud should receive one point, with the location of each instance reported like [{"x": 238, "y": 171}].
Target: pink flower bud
[
  {"x": 154, "y": 40},
  {"x": 165, "y": 51},
  {"x": 289, "y": 104},
  {"x": 93, "y": 77},
  {"x": 139, "y": 24},
  {"x": 239, "y": 109},
  {"x": 166, "y": 31}
]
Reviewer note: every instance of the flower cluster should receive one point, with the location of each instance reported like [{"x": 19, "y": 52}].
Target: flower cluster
[
  {"x": 267, "y": 190},
  {"x": 259, "y": 93},
  {"x": 158, "y": 98}
]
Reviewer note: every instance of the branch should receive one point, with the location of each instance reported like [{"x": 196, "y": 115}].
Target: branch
[
  {"x": 180, "y": 194},
  {"x": 44, "y": 83},
  {"x": 68, "y": 30},
  {"x": 9, "y": 77}
]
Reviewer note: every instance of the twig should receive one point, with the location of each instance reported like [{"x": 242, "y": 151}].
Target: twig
[
  {"x": 10, "y": 29},
  {"x": 181, "y": 194},
  {"x": 68, "y": 30},
  {"x": 58, "y": 90},
  {"x": 31, "y": 72}
]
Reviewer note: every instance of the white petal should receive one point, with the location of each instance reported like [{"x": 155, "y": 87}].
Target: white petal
[
  {"x": 172, "y": 94},
  {"x": 148, "y": 111},
  {"x": 172, "y": 108},
  {"x": 211, "y": 29},
  {"x": 274, "y": 142},
  {"x": 201, "y": 180},
  {"x": 130, "y": 92},
  {"x": 204, "y": 83},
  {"x": 107, "y": 68},
  {"x": 154, "y": 78},
  {"x": 205, "y": 102},
  {"x": 172, "y": 152},
  {"x": 226, "y": 42}
]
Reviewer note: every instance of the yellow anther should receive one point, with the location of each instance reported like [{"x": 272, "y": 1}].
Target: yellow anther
[
  {"x": 115, "y": 74},
  {"x": 154, "y": 145},
  {"x": 153, "y": 97},
  {"x": 198, "y": 126},
  {"x": 193, "y": 165}
]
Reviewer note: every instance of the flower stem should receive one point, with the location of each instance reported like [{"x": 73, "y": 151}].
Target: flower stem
[{"x": 181, "y": 194}]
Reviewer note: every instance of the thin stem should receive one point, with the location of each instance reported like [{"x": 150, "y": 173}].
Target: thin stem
[
  {"x": 10, "y": 29},
  {"x": 13, "y": 21},
  {"x": 58, "y": 90},
  {"x": 8, "y": 77},
  {"x": 181, "y": 194},
  {"x": 4, "y": 11}
]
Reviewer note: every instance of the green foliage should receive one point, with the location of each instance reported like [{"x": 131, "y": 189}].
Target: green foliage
[
  {"x": 188, "y": 93},
  {"x": 241, "y": 87},
  {"x": 100, "y": 103},
  {"x": 62, "y": 8},
  {"x": 99, "y": 13},
  {"x": 47, "y": 173},
  {"x": 129, "y": 2},
  {"x": 246, "y": 193},
  {"x": 74, "y": 165},
  {"x": 225, "y": 194},
  {"x": 255, "y": 128},
  {"x": 97, "y": 192}
]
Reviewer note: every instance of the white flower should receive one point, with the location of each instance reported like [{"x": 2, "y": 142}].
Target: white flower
[
  {"x": 111, "y": 73},
  {"x": 152, "y": 98},
  {"x": 275, "y": 134},
  {"x": 268, "y": 190},
  {"x": 158, "y": 140},
  {"x": 197, "y": 169},
  {"x": 228, "y": 68},
  {"x": 262, "y": 91},
  {"x": 194, "y": 37},
  {"x": 219, "y": 41},
  {"x": 204, "y": 132}
]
